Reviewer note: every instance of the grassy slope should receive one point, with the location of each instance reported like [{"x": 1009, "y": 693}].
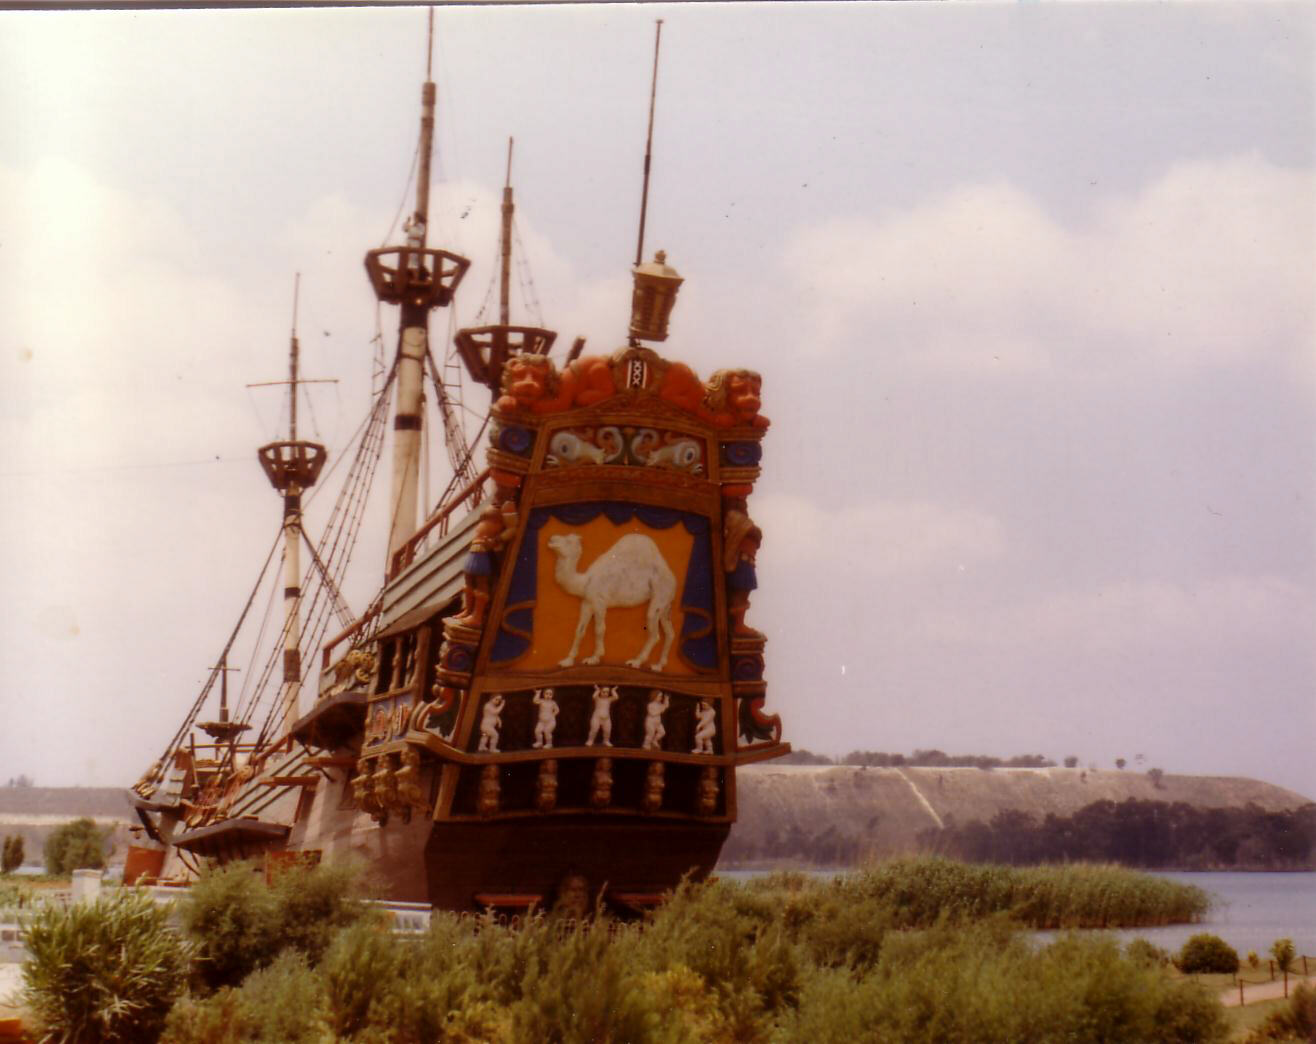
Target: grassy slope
[{"x": 879, "y": 808}]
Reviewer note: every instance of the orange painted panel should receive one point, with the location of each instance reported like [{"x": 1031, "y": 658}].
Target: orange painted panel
[{"x": 557, "y": 611}]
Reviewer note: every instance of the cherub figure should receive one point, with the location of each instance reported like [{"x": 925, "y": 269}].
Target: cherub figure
[
  {"x": 653, "y": 720},
  {"x": 600, "y": 722},
  {"x": 705, "y": 728},
  {"x": 490, "y": 722},
  {"x": 547, "y": 723}
]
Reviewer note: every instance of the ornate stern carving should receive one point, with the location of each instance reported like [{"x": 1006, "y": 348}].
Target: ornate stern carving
[
  {"x": 653, "y": 720},
  {"x": 490, "y": 791},
  {"x": 491, "y": 720},
  {"x": 363, "y": 791},
  {"x": 654, "y": 781},
  {"x": 600, "y": 788},
  {"x": 547, "y": 723},
  {"x": 600, "y": 721},
  {"x": 705, "y": 728},
  {"x": 706, "y": 803},
  {"x": 409, "y": 791},
  {"x": 546, "y": 786}
]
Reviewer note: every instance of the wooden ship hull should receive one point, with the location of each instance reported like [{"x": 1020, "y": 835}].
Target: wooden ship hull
[{"x": 556, "y": 683}]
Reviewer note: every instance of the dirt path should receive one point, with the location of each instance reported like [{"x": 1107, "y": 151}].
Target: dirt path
[{"x": 1260, "y": 991}]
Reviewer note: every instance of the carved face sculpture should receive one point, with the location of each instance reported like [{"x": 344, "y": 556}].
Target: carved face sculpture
[
  {"x": 526, "y": 379},
  {"x": 743, "y": 388}
]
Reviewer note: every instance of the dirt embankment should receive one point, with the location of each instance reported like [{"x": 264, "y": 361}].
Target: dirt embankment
[{"x": 840, "y": 814}]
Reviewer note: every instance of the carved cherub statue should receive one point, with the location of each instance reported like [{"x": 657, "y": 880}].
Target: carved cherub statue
[
  {"x": 653, "y": 720},
  {"x": 491, "y": 721},
  {"x": 705, "y": 728},
  {"x": 600, "y": 722},
  {"x": 547, "y": 723}
]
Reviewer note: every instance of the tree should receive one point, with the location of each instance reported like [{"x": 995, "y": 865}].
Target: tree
[
  {"x": 1120, "y": 763},
  {"x": 76, "y": 845},
  {"x": 1155, "y": 775},
  {"x": 1283, "y": 952},
  {"x": 12, "y": 857},
  {"x": 20, "y": 781},
  {"x": 1071, "y": 761}
]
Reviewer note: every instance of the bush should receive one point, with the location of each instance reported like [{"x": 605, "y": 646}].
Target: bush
[
  {"x": 1283, "y": 952},
  {"x": 77, "y": 845},
  {"x": 104, "y": 972},
  {"x": 240, "y": 924},
  {"x": 1141, "y": 951},
  {"x": 232, "y": 918},
  {"x": 1296, "y": 1022},
  {"x": 1205, "y": 952},
  {"x": 280, "y": 1004},
  {"x": 12, "y": 857}
]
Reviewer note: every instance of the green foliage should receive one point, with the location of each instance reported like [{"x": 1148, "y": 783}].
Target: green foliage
[
  {"x": 77, "y": 845},
  {"x": 11, "y": 858},
  {"x": 240, "y": 924},
  {"x": 233, "y": 919},
  {"x": 1143, "y": 952},
  {"x": 914, "y": 950},
  {"x": 1139, "y": 833},
  {"x": 1205, "y": 952},
  {"x": 1283, "y": 952},
  {"x": 280, "y": 1004},
  {"x": 104, "y": 972},
  {"x": 1253, "y": 961},
  {"x": 1295, "y": 1022},
  {"x": 985, "y": 983}
]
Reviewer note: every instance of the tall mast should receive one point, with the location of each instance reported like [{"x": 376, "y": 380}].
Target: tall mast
[
  {"x": 292, "y": 466},
  {"x": 504, "y": 283},
  {"x": 417, "y": 279}
]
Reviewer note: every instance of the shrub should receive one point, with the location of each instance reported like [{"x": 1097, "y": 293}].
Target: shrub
[
  {"x": 280, "y": 1004},
  {"x": 233, "y": 920},
  {"x": 1283, "y": 952},
  {"x": 986, "y": 984},
  {"x": 1140, "y": 951},
  {"x": 1296, "y": 1022},
  {"x": 103, "y": 972},
  {"x": 240, "y": 924},
  {"x": 1205, "y": 952},
  {"x": 12, "y": 857},
  {"x": 1253, "y": 961},
  {"x": 77, "y": 845}
]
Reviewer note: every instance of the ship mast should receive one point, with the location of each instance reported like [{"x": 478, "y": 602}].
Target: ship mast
[
  {"x": 292, "y": 466},
  {"x": 417, "y": 279}
]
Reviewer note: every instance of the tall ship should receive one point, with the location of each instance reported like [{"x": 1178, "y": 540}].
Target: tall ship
[{"x": 553, "y": 687}]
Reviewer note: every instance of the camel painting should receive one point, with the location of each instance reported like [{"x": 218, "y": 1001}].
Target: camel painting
[{"x": 632, "y": 572}]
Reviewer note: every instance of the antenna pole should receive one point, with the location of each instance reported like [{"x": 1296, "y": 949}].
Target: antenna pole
[
  {"x": 648, "y": 145},
  {"x": 504, "y": 285}
]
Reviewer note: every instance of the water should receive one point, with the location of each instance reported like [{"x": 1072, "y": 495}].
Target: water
[{"x": 1249, "y": 911}]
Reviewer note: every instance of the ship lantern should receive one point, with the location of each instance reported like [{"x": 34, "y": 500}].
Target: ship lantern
[{"x": 656, "y": 284}]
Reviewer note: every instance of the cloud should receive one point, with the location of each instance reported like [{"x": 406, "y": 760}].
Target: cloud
[
  {"x": 883, "y": 538},
  {"x": 1210, "y": 264},
  {"x": 1202, "y": 617}
]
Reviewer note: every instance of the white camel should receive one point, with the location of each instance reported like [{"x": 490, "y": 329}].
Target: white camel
[{"x": 631, "y": 572}]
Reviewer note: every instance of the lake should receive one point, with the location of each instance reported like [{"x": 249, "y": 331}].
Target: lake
[{"x": 1249, "y": 911}]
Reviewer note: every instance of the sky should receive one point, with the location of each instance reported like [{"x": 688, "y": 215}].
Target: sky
[{"x": 1030, "y": 287}]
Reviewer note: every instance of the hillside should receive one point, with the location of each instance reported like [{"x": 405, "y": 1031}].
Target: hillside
[
  {"x": 33, "y": 812},
  {"x": 841, "y": 813}
]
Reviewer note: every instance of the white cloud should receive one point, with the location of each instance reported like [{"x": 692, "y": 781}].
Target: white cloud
[
  {"x": 1211, "y": 263},
  {"x": 885, "y": 538},
  {"x": 1127, "y": 616}
]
